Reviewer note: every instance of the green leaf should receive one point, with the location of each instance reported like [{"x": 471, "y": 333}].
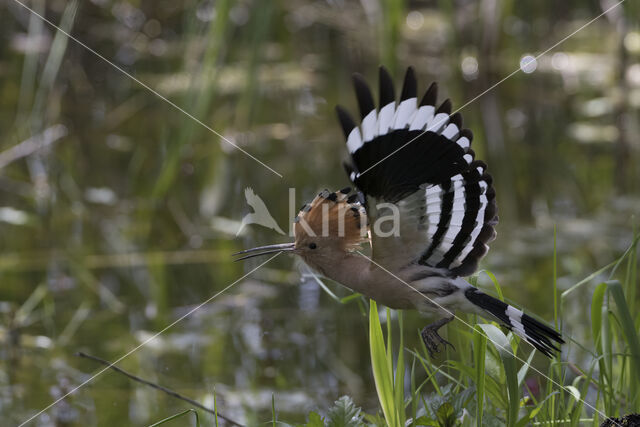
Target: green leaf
[
  {"x": 428, "y": 422},
  {"x": 527, "y": 418},
  {"x": 344, "y": 413},
  {"x": 315, "y": 420},
  {"x": 376, "y": 420},
  {"x": 462, "y": 400},
  {"x": 446, "y": 415}
]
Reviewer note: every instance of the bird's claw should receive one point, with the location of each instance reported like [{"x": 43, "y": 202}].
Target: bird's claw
[{"x": 433, "y": 340}]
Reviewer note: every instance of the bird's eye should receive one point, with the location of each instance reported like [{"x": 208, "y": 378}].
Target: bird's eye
[{"x": 312, "y": 246}]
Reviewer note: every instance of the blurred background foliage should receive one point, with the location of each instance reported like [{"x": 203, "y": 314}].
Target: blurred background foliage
[{"x": 118, "y": 212}]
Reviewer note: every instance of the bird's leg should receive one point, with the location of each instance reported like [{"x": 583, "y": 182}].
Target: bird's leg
[{"x": 431, "y": 337}]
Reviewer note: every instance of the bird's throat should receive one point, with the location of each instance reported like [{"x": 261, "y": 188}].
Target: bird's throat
[{"x": 351, "y": 270}]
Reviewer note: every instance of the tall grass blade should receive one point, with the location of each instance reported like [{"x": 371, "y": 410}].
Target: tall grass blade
[
  {"x": 607, "y": 355},
  {"x": 389, "y": 350},
  {"x": 391, "y": 27},
  {"x": 632, "y": 275},
  {"x": 597, "y": 301},
  {"x": 381, "y": 374},
  {"x": 273, "y": 410},
  {"x": 398, "y": 385},
  {"x": 501, "y": 343},
  {"x": 198, "y": 101},
  {"x": 480, "y": 346},
  {"x": 577, "y": 410},
  {"x": 589, "y": 278},
  {"x": 614, "y": 264},
  {"x": 555, "y": 278},
  {"x": 178, "y": 415},
  {"x": 631, "y": 336},
  {"x": 52, "y": 65},
  {"x": 522, "y": 373},
  {"x": 215, "y": 407},
  {"x": 495, "y": 282}
]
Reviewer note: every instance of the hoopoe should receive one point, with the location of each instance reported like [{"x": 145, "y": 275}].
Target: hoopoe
[{"x": 414, "y": 160}]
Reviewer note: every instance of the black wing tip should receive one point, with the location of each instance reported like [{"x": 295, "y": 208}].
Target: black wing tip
[
  {"x": 348, "y": 167},
  {"x": 430, "y": 96},
  {"x": 383, "y": 70},
  {"x": 467, "y": 133},
  {"x": 410, "y": 85},
  {"x": 456, "y": 119},
  {"x": 346, "y": 121},
  {"x": 387, "y": 93},
  {"x": 445, "y": 107},
  {"x": 363, "y": 94}
]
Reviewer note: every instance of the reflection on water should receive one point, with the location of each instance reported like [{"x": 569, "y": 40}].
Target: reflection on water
[{"x": 118, "y": 212}]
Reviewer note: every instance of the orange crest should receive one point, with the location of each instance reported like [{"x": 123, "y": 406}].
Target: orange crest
[{"x": 333, "y": 217}]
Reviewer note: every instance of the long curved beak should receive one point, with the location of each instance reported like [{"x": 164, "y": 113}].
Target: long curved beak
[{"x": 264, "y": 250}]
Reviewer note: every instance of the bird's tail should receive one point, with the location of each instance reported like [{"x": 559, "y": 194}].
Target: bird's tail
[{"x": 526, "y": 327}]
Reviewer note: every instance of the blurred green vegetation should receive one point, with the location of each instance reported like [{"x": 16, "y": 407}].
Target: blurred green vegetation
[{"x": 118, "y": 212}]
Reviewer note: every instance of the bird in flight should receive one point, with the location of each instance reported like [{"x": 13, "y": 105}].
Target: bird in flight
[{"x": 425, "y": 205}]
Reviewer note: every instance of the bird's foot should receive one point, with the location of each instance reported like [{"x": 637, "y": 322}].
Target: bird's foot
[{"x": 432, "y": 339}]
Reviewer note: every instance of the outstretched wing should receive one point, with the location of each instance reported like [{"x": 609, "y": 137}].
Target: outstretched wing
[{"x": 418, "y": 159}]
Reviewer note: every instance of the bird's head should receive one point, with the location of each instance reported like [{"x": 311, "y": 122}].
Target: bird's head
[{"x": 331, "y": 225}]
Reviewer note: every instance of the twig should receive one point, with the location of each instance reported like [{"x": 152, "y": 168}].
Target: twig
[
  {"x": 33, "y": 144},
  {"x": 158, "y": 387}
]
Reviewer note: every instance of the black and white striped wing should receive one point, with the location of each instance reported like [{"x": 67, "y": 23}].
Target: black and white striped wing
[{"x": 419, "y": 158}]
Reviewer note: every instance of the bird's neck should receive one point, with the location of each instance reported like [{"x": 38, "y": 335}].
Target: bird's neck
[
  {"x": 351, "y": 270},
  {"x": 361, "y": 275}
]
